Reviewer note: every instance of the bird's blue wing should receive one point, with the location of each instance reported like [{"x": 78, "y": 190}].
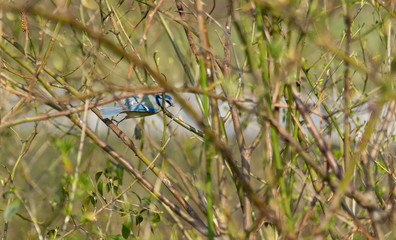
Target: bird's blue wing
[
  {"x": 132, "y": 101},
  {"x": 139, "y": 110}
]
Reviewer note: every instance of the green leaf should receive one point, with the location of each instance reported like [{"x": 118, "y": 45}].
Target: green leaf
[
  {"x": 126, "y": 231},
  {"x": 138, "y": 197},
  {"x": 126, "y": 227},
  {"x": 115, "y": 237},
  {"x": 93, "y": 199},
  {"x": 11, "y": 209},
  {"x": 147, "y": 200},
  {"x": 100, "y": 187},
  {"x": 108, "y": 187},
  {"x": 156, "y": 218},
  {"x": 51, "y": 234},
  {"x": 138, "y": 133},
  {"x": 119, "y": 171},
  {"x": 139, "y": 219},
  {"x": 97, "y": 175},
  {"x": 116, "y": 189}
]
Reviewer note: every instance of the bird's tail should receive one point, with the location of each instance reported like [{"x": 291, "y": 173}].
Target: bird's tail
[{"x": 110, "y": 111}]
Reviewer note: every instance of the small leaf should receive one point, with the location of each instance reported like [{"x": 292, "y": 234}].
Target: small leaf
[
  {"x": 135, "y": 211},
  {"x": 156, "y": 218},
  {"x": 126, "y": 227},
  {"x": 147, "y": 200},
  {"x": 252, "y": 86},
  {"x": 139, "y": 219},
  {"x": 11, "y": 209},
  {"x": 93, "y": 199},
  {"x": 97, "y": 175},
  {"x": 138, "y": 133},
  {"x": 119, "y": 171},
  {"x": 51, "y": 234},
  {"x": 138, "y": 197},
  {"x": 126, "y": 231},
  {"x": 100, "y": 187},
  {"x": 116, "y": 237},
  {"x": 116, "y": 189}
]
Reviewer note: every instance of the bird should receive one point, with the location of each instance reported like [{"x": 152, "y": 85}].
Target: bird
[{"x": 137, "y": 106}]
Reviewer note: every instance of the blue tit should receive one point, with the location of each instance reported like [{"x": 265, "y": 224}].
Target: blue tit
[{"x": 139, "y": 106}]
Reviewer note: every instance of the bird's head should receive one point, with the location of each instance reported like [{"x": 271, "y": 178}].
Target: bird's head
[{"x": 168, "y": 100}]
